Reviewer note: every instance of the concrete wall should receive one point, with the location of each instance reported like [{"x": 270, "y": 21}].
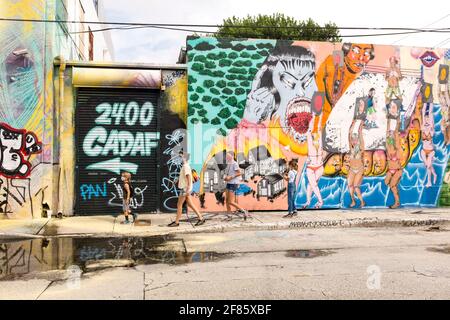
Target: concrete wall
[{"x": 268, "y": 100}]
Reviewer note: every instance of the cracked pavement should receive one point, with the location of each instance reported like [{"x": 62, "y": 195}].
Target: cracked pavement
[{"x": 409, "y": 263}]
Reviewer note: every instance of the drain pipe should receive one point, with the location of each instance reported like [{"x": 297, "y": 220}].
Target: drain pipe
[{"x": 62, "y": 69}]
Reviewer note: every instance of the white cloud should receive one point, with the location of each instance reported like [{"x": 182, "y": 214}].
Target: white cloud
[{"x": 159, "y": 46}]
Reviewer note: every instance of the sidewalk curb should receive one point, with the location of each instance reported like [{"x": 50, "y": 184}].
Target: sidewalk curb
[
  {"x": 246, "y": 226},
  {"x": 344, "y": 223}
]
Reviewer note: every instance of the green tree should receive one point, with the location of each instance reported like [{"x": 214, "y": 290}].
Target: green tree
[{"x": 281, "y": 27}]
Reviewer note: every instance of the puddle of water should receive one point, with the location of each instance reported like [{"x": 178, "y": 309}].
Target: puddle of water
[
  {"x": 19, "y": 258},
  {"x": 50, "y": 230},
  {"x": 307, "y": 253},
  {"x": 440, "y": 250}
]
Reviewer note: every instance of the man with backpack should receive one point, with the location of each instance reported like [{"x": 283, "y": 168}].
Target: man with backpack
[{"x": 185, "y": 184}]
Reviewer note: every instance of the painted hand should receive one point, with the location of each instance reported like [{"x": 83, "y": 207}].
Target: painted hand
[{"x": 260, "y": 101}]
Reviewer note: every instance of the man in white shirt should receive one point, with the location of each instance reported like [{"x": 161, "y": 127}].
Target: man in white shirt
[
  {"x": 185, "y": 185},
  {"x": 233, "y": 178}
]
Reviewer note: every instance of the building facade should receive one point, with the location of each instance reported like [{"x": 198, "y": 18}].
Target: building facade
[{"x": 29, "y": 168}]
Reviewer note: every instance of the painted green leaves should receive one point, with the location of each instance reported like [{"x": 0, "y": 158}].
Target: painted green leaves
[{"x": 220, "y": 75}]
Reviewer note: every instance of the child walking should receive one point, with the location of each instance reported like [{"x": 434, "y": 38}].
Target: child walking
[
  {"x": 290, "y": 177},
  {"x": 127, "y": 194}
]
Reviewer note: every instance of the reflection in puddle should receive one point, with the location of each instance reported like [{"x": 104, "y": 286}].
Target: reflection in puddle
[
  {"x": 39, "y": 255},
  {"x": 307, "y": 253}
]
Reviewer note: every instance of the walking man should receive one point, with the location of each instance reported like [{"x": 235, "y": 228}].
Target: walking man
[
  {"x": 233, "y": 178},
  {"x": 185, "y": 182}
]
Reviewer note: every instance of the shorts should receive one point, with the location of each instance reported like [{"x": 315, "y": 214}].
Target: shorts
[
  {"x": 232, "y": 187},
  {"x": 125, "y": 206},
  {"x": 182, "y": 192}
]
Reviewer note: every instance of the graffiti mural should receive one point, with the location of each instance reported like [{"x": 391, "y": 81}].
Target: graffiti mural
[
  {"x": 117, "y": 131},
  {"x": 173, "y": 135},
  {"x": 368, "y": 124}
]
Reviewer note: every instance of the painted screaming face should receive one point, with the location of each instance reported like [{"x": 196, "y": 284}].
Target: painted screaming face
[
  {"x": 294, "y": 79},
  {"x": 429, "y": 58},
  {"x": 358, "y": 57}
]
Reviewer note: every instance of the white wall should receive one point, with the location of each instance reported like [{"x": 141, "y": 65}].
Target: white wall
[{"x": 103, "y": 48}]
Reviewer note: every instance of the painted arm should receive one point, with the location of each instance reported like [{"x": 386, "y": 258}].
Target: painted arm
[{"x": 400, "y": 76}]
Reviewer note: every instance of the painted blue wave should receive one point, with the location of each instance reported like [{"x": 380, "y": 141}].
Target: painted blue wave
[{"x": 334, "y": 190}]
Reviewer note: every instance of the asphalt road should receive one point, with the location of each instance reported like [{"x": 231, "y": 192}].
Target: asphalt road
[{"x": 356, "y": 263}]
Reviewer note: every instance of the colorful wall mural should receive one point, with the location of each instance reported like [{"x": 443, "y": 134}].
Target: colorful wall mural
[
  {"x": 27, "y": 50},
  {"x": 96, "y": 187},
  {"x": 368, "y": 124}
]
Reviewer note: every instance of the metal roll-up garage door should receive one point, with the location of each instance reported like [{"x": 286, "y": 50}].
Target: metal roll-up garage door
[{"x": 116, "y": 130}]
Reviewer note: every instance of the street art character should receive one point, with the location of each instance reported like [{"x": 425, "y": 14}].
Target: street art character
[
  {"x": 370, "y": 122},
  {"x": 15, "y": 145},
  {"x": 393, "y": 77},
  {"x": 428, "y": 152},
  {"x": 356, "y": 154},
  {"x": 335, "y": 74},
  {"x": 333, "y": 164},
  {"x": 282, "y": 91},
  {"x": 395, "y": 170},
  {"x": 314, "y": 167}
]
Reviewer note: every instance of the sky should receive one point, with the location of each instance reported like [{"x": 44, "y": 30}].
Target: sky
[{"x": 163, "y": 46}]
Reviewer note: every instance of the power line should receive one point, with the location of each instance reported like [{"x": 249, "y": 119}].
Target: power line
[
  {"x": 221, "y": 26},
  {"x": 224, "y": 33},
  {"x": 428, "y": 25}
]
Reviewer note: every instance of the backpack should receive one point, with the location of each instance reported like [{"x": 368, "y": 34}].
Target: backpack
[{"x": 195, "y": 177}]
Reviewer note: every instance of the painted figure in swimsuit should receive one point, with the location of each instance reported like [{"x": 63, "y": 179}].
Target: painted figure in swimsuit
[
  {"x": 314, "y": 165},
  {"x": 356, "y": 154},
  {"x": 427, "y": 152},
  {"x": 394, "y": 166},
  {"x": 393, "y": 77}
]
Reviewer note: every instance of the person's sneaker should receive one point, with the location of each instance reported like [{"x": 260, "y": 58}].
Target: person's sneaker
[
  {"x": 135, "y": 215},
  {"x": 288, "y": 215},
  {"x": 200, "y": 222},
  {"x": 173, "y": 224},
  {"x": 126, "y": 222},
  {"x": 245, "y": 213}
]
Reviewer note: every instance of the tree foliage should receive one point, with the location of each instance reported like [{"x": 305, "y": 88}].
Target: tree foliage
[{"x": 284, "y": 27}]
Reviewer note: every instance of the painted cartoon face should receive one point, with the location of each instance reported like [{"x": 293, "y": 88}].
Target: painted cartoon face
[
  {"x": 361, "y": 107},
  {"x": 346, "y": 164},
  {"x": 358, "y": 57},
  {"x": 429, "y": 58},
  {"x": 333, "y": 165},
  {"x": 393, "y": 109},
  {"x": 379, "y": 162},
  {"x": 367, "y": 157},
  {"x": 295, "y": 81},
  {"x": 414, "y": 138},
  {"x": 354, "y": 139}
]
